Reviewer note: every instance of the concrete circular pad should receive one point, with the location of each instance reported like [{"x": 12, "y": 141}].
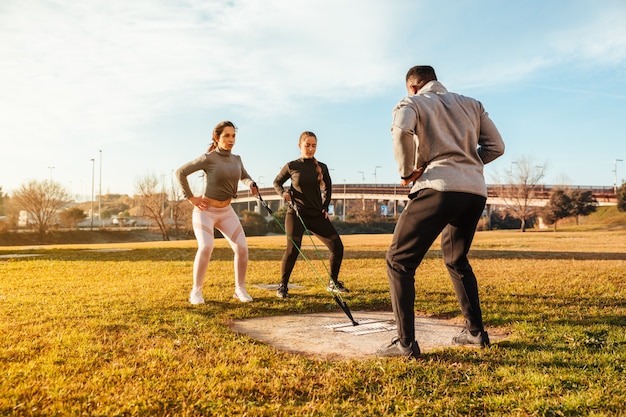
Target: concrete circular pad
[{"x": 332, "y": 335}]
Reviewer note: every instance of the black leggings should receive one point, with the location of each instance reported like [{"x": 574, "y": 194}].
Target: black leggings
[
  {"x": 323, "y": 229},
  {"x": 430, "y": 213}
]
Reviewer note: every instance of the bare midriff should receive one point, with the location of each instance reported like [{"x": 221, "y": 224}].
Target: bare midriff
[{"x": 217, "y": 203}]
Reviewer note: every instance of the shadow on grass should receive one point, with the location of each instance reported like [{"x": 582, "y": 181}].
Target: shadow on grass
[
  {"x": 548, "y": 255},
  {"x": 578, "y": 310},
  {"x": 535, "y": 354},
  {"x": 269, "y": 306},
  {"x": 256, "y": 254}
]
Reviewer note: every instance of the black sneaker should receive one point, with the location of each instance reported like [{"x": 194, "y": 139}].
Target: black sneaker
[
  {"x": 397, "y": 349},
  {"x": 282, "y": 291},
  {"x": 466, "y": 338},
  {"x": 336, "y": 286}
]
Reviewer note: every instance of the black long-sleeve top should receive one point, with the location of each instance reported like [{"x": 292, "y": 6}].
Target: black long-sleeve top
[{"x": 305, "y": 185}]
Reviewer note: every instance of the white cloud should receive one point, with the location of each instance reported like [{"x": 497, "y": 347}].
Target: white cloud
[
  {"x": 79, "y": 76},
  {"x": 599, "y": 40},
  {"x": 587, "y": 37},
  {"x": 81, "y": 68}
]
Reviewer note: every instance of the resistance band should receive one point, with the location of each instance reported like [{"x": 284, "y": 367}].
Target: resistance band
[{"x": 338, "y": 299}]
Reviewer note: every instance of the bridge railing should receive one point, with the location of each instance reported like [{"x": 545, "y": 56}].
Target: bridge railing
[
  {"x": 600, "y": 193},
  {"x": 393, "y": 197},
  {"x": 543, "y": 192}
]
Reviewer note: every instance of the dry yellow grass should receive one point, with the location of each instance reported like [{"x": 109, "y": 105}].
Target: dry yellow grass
[{"x": 90, "y": 330}]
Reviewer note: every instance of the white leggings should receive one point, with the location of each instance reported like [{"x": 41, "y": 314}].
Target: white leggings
[{"x": 226, "y": 221}]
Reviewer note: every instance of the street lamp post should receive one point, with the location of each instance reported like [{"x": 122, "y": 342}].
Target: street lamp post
[
  {"x": 615, "y": 175},
  {"x": 344, "y": 200},
  {"x": 375, "y": 168},
  {"x": 50, "y": 168},
  {"x": 100, "y": 193},
  {"x": 510, "y": 176},
  {"x": 163, "y": 195},
  {"x": 395, "y": 202},
  {"x": 375, "y": 184},
  {"x": 173, "y": 197},
  {"x": 92, "y": 191},
  {"x": 362, "y": 192}
]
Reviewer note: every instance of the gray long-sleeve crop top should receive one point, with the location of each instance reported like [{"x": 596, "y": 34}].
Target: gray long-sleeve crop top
[{"x": 223, "y": 172}]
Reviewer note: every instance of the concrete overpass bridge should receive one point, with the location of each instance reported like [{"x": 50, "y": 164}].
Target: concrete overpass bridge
[{"x": 390, "y": 199}]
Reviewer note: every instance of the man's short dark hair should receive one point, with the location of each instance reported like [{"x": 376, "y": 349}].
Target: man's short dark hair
[{"x": 421, "y": 73}]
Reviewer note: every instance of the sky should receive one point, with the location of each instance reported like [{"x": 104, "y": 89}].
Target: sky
[{"x": 108, "y": 92}]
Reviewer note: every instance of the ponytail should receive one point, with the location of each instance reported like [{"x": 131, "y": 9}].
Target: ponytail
[
  {"x": 217, "y": 131},
  {"x": 320, "y": 175}
]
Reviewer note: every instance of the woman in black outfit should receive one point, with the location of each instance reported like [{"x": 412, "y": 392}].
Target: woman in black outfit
[{"x": 310, "y": 193}]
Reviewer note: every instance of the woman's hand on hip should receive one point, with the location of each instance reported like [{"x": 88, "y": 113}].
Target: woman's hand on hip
[{"x": 199, "y": 202}]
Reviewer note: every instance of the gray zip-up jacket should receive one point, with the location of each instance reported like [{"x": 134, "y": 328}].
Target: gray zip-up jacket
[{"x": 452, "y": 135}]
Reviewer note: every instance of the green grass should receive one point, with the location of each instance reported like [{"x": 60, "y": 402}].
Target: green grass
[{"x": 111, "y": 333}]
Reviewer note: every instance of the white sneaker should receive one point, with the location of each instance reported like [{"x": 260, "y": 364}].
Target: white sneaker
[
  {"x": 242, "y": 294},
  {"x": 196, "y": 296}
]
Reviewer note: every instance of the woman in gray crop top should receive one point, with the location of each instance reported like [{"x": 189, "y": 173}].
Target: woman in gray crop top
[{"x": 212, "y": 210}]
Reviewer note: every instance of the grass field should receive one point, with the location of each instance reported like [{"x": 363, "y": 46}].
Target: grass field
[{"x": 102, "y": 330}]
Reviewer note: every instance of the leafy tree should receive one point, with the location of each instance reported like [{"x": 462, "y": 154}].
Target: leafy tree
[
  {"x": 583, "y": 203},
  {"x": 254, "y": 224},
  {"x": 125, "y": 213},
  {"x": 559, "y": 207},
  {"x": 279, "y": 214},
  {"x": 70, "y": 217},
  {"x": 152, "y": 199},
  {"x": 111, "y": 205},
  {"x": 41, "y": 200},
  {"x": 621, "y": 197},
  {"x": 365, "y": 216},
  {"x": 114, "y": 204}
]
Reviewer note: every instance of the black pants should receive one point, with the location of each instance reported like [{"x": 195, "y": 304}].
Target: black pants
[
  {"x": 323, "y": 229},
  {"x": 454, "y": 215}
]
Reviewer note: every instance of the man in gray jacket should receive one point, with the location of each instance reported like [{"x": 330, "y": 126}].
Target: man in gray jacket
[{"x": 441, "y": 142}]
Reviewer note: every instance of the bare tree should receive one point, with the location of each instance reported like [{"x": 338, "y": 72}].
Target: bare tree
[
  {"x": 152, "y": 200},
  {"x": 3, "y": 199},
  {"x": 41, "y": 200},
  {"x": 180, "y": 210},
  {"x": 523, "y": 189}
]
